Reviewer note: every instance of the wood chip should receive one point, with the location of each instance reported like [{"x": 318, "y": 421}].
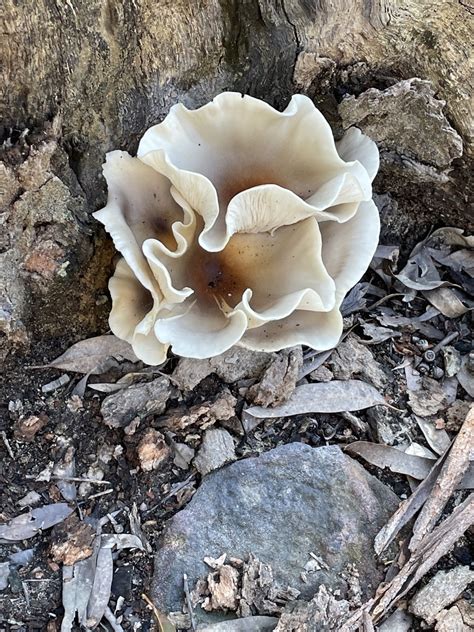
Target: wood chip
[{"x": 450, "y": 476}]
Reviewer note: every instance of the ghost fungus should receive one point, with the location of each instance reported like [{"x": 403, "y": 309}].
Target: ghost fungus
[{"x": 238, "y": 224}]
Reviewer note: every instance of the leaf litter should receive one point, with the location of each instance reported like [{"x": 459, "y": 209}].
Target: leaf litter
[{"x": 413, "y": 322}]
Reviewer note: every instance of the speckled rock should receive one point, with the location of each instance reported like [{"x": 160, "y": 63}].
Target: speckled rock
[{"x": 282, "y": 506}]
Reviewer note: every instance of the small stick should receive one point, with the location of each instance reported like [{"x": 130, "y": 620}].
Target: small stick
[
  {"x": 189, "y": 603},
  {"x": 73, "y": 479},
  {"x": 104, "y": 493},
  {"x": 442, "y": 343},
  {"x": 3, "y": 434}
]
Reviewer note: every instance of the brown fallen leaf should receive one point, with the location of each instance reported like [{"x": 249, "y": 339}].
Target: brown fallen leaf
[
  {"x": 330, "y": 397},
  {"x": 92, "y": 355}
]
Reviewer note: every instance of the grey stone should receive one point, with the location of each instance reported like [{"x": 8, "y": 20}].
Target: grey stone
[
  {"x": 216, "y": 450},
  {"x": 399, "y": 621},
  {"x": 407, "y": 119},
  {"x": 441, "y": 591},
  {"x": 282, "y": 506},
  {"x": 353, "y": 359},
  {"x": 136, "y": 401}
]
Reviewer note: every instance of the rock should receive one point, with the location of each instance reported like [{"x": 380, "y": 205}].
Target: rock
[
  {"x": 216, "y": 450},
  {"x": 152, "y": 450},
  {"x": 441, "y": 591},
  {"x": 451, "y": 621},
  {"x": 322, "y": 374},
  {"x": 320, "y": 500},
  {"x": 399, "y": 621},
  {"x": 278, "y": 380},
  {"x": 26, "y": 428},
  {"x": 235, "y": 364},
  {"x": 4, "y": 574},
  {"x": 390, "y": 118},
  {"x": 72, "y": 541},
  {"x": 136, "y": 401},
  {"x": 456, "y": 414},
  {"x": 384, "y": 423},
  {"x": 323, "y": 612},
  {"x": 428, "y": 399},
  {"x": 353, "y": 359},
  {"x": 183, "y": 455}
]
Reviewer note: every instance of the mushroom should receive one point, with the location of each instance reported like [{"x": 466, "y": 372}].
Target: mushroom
[{"x": 238, "y": 224}]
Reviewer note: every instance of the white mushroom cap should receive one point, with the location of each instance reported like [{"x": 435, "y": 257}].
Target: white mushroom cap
[{"x": 238, "y": 224}]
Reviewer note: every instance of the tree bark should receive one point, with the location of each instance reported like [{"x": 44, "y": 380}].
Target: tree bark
[{"x": 83, "y": 77}]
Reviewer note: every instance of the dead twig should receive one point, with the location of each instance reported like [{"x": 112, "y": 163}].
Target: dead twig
[
  {"x": 189, "y": 602},
  {"x": 3, "y": 434},
  {"x": 449, "y": 478}
]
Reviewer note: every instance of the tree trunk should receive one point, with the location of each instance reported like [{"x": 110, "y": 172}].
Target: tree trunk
[{"x": 83, "y": 77}]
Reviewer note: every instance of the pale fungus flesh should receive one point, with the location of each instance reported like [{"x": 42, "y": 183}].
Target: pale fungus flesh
[{"x": 238, "y": 224}]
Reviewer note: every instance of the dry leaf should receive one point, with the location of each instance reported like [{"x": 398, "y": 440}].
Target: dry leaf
[
  {"x": 397, "y": 461},
  {"x": 438, "y": 440},
  {"x": 448, "y": 301},
  {"x": 87, "y": 584},
  {"x": 376, "y": 334},
  {"x": 29, "y": 524},
  {"x": 331, "y": 397},
  {"x": 465, "y": 375},
  {"x": 93, "y": 355}
]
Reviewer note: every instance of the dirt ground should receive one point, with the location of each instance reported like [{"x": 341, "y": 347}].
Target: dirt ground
[{"x": 59, "y": 419}]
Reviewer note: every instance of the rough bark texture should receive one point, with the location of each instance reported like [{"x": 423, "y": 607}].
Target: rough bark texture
[{"x": 83, "y": 77}]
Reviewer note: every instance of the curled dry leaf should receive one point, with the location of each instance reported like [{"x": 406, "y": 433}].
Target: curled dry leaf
[
  {"x": 93, "y": 355},
  {"x": 331, "y": 397},
  {"x": 376, "y": 334},
  {"x": 29, "y": 524},
  {"x": 449, "y": 301}
]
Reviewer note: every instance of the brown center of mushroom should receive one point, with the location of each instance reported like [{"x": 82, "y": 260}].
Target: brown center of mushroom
[
  {"x": 227, "y": 274},
  {"x": 242, "y": 181},
  {"x": 215, "y": 276}
]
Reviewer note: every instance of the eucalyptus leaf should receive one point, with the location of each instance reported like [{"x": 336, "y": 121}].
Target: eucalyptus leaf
[
  {"x": 93, "y": 355},
  {"x": 331, "y": 397}
]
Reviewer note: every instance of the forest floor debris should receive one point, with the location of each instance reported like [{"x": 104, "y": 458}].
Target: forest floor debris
[{"x": 129, "y": 445}]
